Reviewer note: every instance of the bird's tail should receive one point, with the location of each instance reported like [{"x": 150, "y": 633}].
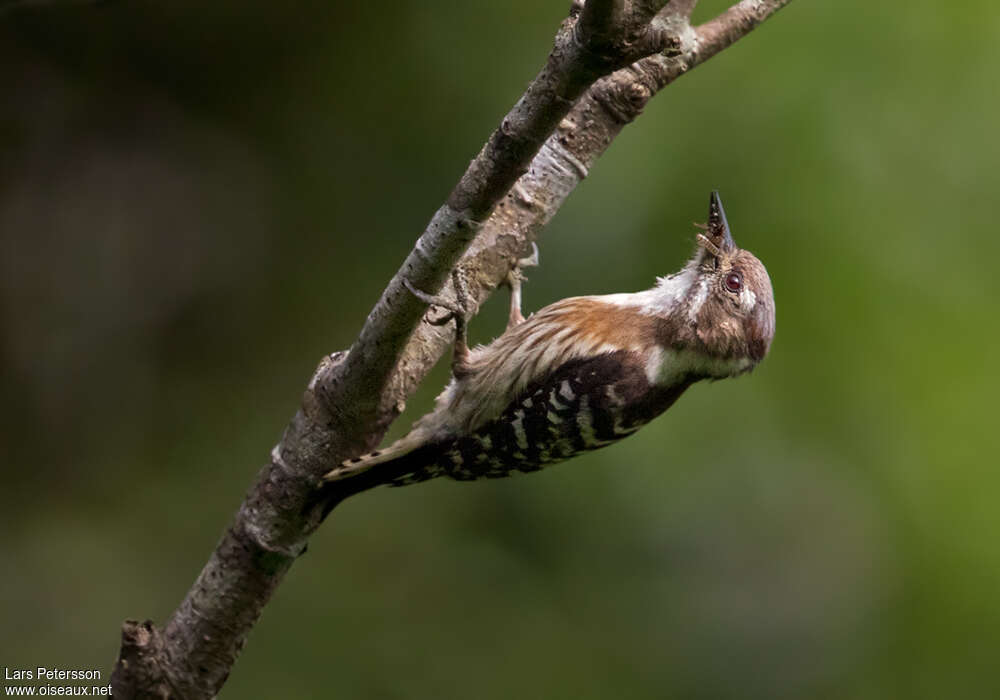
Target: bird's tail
[
  {"x": 363, "y": 463},
  {"x": 403, "y": 462}
]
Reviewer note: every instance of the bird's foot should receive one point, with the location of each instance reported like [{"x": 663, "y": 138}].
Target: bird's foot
[
  {"x": 514, "y": 279},
  {"x": 457, "y": 311}
]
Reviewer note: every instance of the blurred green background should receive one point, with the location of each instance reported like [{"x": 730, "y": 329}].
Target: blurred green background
[{"x": 199, "y": 200}]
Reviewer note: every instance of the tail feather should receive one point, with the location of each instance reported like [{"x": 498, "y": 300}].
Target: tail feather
[{"x": 359, "y": 465}]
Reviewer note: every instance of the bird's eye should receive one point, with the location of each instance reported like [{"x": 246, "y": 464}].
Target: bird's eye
[{"x": 734, "y": 282}]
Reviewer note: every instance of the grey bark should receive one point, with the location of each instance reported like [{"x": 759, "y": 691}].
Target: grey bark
[{"x": 610, "y": 57}]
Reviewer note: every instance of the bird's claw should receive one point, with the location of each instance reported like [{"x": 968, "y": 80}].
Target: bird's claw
[
  {"x": 514, "y": 279},
  {"x": 455, "y": 310}
]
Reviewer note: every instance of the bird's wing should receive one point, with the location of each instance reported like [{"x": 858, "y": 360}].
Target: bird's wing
[
  {"x": 583, "y": 405},
  {"x": 572, "y": 329}
]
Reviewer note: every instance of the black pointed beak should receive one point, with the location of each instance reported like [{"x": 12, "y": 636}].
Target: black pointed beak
[{"x": 718, "y": 227}]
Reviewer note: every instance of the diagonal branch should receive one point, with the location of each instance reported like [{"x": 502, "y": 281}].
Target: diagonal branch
[
  {"x": 736, "y": 22},
  {"x": 567, "y": 117},
  {"x": 590, "y": 44},
  {"x": 600, "y": 18},
  {"x": 564, "y": 160}
]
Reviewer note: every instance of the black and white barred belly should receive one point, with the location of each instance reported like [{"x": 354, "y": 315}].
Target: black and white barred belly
[{"x": 585, "y": 405}]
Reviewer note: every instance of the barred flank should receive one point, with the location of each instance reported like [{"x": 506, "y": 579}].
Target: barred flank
[{"x": 585, "y": 405}]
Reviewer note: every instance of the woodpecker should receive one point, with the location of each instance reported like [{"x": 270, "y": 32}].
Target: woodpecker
[{"x": 584, "y": 372}]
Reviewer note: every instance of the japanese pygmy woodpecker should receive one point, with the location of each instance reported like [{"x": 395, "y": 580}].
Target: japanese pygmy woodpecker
[{"x": 583, "y": 372}]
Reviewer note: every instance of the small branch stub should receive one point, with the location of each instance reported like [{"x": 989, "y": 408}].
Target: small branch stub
[{"x": 138, "y": 672}]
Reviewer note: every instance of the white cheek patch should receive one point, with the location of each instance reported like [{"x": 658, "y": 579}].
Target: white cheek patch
[
  {"x": 654, "y": 365},
  {"x": 698, "y": 300},
  {"x": 747, "y": 299}
]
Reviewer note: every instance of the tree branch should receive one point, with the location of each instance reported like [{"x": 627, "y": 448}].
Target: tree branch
[
  {"x": 563, "y": 161},
  {"x": 567, "y": 117}
]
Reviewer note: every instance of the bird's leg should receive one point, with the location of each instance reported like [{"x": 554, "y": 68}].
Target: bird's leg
[
  {"x": 514, "y": 279},
  {"x": 457, "y": 312}
]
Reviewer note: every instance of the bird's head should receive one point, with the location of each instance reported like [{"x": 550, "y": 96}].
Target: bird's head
[{"x": 727, "y": 313}]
